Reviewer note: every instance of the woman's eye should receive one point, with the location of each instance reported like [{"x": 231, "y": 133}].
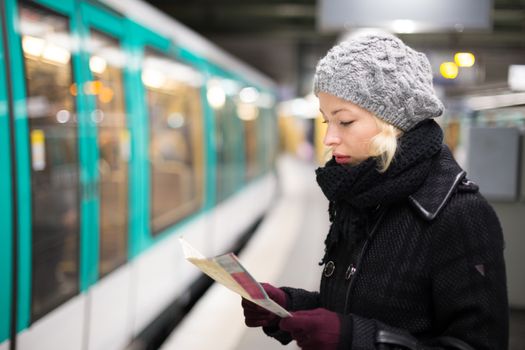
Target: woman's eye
[
  {"x": 345, "y": 123},
  {"x": 324, "y": 122}
]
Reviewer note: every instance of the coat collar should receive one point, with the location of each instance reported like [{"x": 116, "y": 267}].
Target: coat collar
[{"x": 438, "y": 187}]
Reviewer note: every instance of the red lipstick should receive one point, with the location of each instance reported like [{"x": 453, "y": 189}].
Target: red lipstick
[{"x": 341, "y": 159}]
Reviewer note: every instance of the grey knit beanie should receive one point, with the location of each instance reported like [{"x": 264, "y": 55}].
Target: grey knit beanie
[{"x": 383, "y": 75}]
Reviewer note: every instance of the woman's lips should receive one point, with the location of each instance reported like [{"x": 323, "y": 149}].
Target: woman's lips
[{"x": 342, "y": 159}]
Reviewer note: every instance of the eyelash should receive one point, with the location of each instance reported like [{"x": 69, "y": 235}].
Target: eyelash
[{"x": 341, "y": 123}]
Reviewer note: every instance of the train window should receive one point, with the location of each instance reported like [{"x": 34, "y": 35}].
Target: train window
[
  {"x": 251, "y": 145},
  {"x": 228, "y": 132},
  {"x": 176, "y": 139},
  {"x": 106, "y": 63},
  {"x": 248, "y": 112},
  {"x": 269, "y": 136},
  {"x": 46, "y": 44}
]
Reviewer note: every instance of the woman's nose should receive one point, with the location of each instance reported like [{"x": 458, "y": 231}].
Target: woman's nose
[{"x": 331, "y": 138}]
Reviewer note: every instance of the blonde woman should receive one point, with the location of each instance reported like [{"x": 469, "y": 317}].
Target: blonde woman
[{"x": 414, "y": 254}]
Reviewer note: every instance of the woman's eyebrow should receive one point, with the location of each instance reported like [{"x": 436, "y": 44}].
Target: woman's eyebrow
[
  {"x": 339, "y": 110},
  {"x": 334, "y": 112}
]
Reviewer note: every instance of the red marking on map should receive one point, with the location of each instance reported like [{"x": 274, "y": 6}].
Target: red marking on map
[{"x": 247, "y": 283}]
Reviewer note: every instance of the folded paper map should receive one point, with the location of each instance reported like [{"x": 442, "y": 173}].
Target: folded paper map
[{"x": 227, "y": 270}]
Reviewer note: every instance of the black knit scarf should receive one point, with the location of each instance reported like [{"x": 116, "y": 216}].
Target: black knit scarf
[{"x": 354, "y": 191}]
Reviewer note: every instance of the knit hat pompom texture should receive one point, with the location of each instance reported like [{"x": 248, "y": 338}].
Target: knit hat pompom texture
[{"x": 383, "y": 75}]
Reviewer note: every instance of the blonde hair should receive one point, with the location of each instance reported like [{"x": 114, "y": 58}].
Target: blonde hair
[{"x": 383, "y": 146}]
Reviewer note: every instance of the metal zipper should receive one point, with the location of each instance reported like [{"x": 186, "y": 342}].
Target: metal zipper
[{"x": 361, "y": 255}]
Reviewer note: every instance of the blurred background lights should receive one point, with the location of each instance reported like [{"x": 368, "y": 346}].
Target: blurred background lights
[
  {"x": 56, "y": 54},
  {"x": 153, "y": 78},
  {"x": 516, "y": 77},
  {"x": 464, "y": 59},
  {"x": 97, "y": 64},
  {"x": 63, "y": 116},
  {"x": 247, "y": 111},
  {"x": 249, "y": 95},
  {"x": 307, "y": 107},
  {"x": 33, "y": 46},
  {"x": 93, "y": 87},
  {"x": 404, "y": 26},
  {"x": 97, "y": 116},
  {"x": 106, "y": 94},
  {"x": 216, "y": 95},
  {"x": 175, "y": 120},
  {"x": 39, "y": 47},
  {"x": 449, "y": 70}
]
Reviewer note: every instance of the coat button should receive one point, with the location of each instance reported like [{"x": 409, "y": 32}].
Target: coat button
[
  {"x": 350, "y": 271},
  {"x": 329, "y": 269}
]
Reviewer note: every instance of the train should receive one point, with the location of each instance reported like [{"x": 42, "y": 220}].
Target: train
[{"x": 120, "y": 131}]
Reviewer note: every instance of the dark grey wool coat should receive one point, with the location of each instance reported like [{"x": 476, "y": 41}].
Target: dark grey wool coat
[{"x": 429, "y": 275}]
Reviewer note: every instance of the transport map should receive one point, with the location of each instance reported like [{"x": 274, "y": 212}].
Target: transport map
[{"x": 227, "y": 270}]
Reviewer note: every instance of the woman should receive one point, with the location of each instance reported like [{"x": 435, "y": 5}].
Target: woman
[{"x": 414, "y": 255}]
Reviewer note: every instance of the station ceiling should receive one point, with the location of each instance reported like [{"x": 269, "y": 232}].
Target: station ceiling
[{"x": 280, "y": 37}]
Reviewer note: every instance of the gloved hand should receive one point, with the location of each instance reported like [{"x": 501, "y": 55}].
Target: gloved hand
[
  {"x": 317, "y": 329},
  {"x": 256, "y": 316}
]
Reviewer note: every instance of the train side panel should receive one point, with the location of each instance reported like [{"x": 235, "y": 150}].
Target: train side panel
[
  {"x": 6, "y": 225},
  {"x": 119, "y": 152}
]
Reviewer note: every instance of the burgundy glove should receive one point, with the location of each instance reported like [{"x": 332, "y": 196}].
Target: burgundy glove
[
  {"x": 317, "y": 329},
  {"x": 256, "y": 316}
]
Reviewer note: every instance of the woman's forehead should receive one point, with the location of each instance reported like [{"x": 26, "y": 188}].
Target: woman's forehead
[{"x": 329, "y": 104}]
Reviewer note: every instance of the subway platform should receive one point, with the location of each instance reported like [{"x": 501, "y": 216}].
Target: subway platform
[{"x": 284, "y": 251}]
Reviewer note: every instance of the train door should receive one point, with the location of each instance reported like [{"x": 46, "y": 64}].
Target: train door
[
  {"x": 5, "y": 201},
  {"x": 105, "y": 65},
  {"x": 46, "y": 127}
]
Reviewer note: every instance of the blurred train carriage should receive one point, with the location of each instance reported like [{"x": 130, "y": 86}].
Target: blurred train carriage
[{"x": 119, "y": 130}]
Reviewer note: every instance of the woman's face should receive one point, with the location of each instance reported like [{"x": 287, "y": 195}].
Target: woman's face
[{"x": 350, "y": 129}]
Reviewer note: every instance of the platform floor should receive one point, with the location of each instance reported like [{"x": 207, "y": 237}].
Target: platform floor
[{"x": 285, "y": 250}]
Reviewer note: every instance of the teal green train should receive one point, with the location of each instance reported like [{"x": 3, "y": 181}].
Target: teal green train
[{"x": 120, "y": 131}]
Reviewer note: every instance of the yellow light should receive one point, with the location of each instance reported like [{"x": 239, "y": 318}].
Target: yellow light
[
  {"x": 464, "y": 59},
  {"x": 93, "y": 87},
  {"x": 448, "y": 70},
  {"x": 37, "y": 136},
  {"x": 38, "y": 149},
  {"x": 106, "y": 94}
]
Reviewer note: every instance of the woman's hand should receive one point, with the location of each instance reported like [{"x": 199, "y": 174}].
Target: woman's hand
[
  {"x": 256, "y": 316},
  {"x": 316, "y": 329}
]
